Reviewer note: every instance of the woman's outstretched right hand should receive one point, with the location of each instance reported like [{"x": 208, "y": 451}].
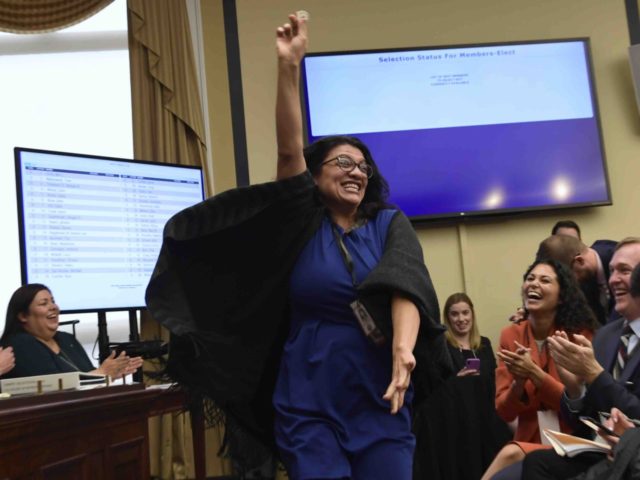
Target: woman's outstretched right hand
[
  {"x": 291, "y": 46},
  {"x": 291, "y": 41}
]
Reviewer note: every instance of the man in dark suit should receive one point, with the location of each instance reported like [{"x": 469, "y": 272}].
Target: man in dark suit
[
  {"x": 591, "y": 267},
  {"x": 595, "y": 379}
]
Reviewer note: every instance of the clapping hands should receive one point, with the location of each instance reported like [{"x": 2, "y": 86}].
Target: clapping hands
[
  {"x": 576, "y": 357},
  {"x": 7, "y": 360},
  {"x": 119, "y": 366},
  {"x": 518, "y": 362}
]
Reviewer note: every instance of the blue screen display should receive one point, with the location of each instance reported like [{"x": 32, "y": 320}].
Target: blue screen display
[{"x": 468, "y": 130}]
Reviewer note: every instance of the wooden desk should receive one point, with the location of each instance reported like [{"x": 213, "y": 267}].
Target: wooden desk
[
  {"x": 172, "y": 401},
  {"x": 99, "y": 434}
]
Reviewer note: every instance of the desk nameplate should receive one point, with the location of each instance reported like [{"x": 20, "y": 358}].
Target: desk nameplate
[{"x": 40, "y": 383}]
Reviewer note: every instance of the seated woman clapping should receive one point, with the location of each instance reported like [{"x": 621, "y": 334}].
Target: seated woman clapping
[
  {"x": 31, "y": 331},
  {"x": 528, "y": 387}
]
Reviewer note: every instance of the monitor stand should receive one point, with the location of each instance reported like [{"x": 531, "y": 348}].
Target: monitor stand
[{"x": 103, "y": 338}]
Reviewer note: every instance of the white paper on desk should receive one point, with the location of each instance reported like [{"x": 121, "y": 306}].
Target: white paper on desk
[
  {"x": 161, "y": 386},
  {"x": 92, "y": 379},
  {"x": 548, "y": 419}
]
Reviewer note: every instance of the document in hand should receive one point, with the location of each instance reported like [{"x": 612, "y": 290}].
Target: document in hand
[{"x": 570, "y": 446}]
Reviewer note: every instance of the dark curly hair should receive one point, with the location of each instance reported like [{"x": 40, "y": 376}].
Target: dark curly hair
[
  {"x": 573, "y": 312},
  {"x": 375, "y": 197},
  {"x": 19, "y": 303}
]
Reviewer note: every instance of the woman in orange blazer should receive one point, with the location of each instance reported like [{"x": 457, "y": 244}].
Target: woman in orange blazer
[{"x": 527, "y": 382}]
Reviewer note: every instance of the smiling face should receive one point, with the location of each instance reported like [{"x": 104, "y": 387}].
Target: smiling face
[
  {"x": 541, "y": 290},
  {"x": 41, "y": 320},
  {"x": 622, "y": 264},
  {"x": 340, "y": 190},
  {"x": 460, "y": 318}
]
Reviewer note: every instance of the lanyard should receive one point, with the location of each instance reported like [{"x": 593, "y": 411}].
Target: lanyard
[
  {"x": 63, "y": 356},
  {"x": 364, "y": 318},
  {"x": 346, "y": 256}
]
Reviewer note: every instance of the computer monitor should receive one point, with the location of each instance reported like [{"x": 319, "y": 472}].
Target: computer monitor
[
  {"x": 91, "y": 226},
  {"x": 468, "y": 130}
]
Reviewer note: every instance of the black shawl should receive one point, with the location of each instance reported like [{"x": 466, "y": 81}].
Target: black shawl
[{"x": 220, "y": 286}]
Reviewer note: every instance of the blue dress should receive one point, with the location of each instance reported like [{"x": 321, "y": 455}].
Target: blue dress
[{"x": 331, "y": 420}]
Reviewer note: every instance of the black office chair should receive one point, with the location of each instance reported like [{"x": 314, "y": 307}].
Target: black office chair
[{"x": 72, "y": 323}]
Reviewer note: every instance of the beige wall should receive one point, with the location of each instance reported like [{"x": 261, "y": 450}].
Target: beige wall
[
  {"x": 217, "y": 85},
  {"x": 486, "y": 257}
]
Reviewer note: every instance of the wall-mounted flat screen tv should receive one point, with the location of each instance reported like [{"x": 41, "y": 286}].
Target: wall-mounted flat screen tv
[
  {"x": 91, "y": 226},
  {"x": 471, "y": 129}
]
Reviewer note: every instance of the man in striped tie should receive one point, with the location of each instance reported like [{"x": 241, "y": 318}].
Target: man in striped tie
[
  {"x": 626, "y": 347},
  {"x": 600, "y": 376}
]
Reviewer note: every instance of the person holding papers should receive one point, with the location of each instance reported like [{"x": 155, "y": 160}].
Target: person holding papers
[
  {"x": 31, "y": 330},
  {"x": 624, "y": 459},
  {"x": 621, "y": 447},
  {"x": 527, "y": 383}
]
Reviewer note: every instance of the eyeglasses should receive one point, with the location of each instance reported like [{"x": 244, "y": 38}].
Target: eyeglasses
[{"x": 347, "y": 164}]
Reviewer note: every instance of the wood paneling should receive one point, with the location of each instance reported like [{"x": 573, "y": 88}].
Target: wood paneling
[{"x": 99, "y": 434}]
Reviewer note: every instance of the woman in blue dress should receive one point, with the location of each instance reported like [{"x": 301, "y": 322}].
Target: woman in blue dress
[
  {"x": 341, "y": 401},
  {"x": 305, "y": 339}
]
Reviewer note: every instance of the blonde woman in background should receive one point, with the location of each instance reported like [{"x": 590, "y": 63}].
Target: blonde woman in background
[
  {"x": 459, "y": 432},
  {"x": 467, "y": 347}
]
